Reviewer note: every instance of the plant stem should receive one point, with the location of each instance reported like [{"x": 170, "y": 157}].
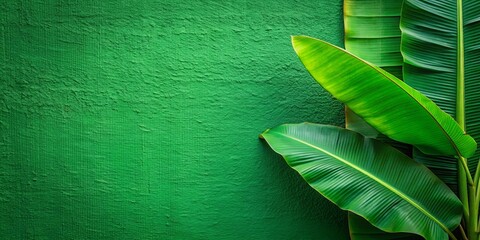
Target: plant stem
[
  {"x": 478, "y": 227},
  {"x": 476, "y": 183},
  {"x": 471, "y": 205},
  {"x": 478, "y": 192},
  {"x": 470, "y": 187},
  {"x": 463, "y": 190},
  {"x": 460, "y": 110},
  {"x": 467, "y": 188},
  {"x": 463, "y": 162},
  {"x": 473, "y": 223},
  {"x": 477, "y": 175}
]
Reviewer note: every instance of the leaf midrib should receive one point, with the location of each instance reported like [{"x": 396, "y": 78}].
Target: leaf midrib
[
  {"x": 460, "y": 104},
  {"x": 366, "y": 173},
  {"x": 445, "y": 133}
]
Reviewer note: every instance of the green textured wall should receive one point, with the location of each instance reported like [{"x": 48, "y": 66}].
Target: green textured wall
[{"x": 139, "y": 119}]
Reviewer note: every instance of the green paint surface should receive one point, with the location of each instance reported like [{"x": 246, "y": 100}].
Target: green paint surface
[{"x": 140, "y": 119}]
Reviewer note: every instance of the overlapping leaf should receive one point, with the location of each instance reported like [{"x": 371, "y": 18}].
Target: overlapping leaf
[
  {"x": 442, "y": 58},
  {"x": 372, "y": 32},
  {"x": 382, "y": 100},
  {"x": 369, "y": 178}
]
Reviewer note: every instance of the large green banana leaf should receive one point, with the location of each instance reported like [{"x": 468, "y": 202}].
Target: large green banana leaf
[
  {"x": 382, "y": 100},
  {"x": 440, "y": 43},
  {"x": 369, "y": 178},
  {"x": 372, "y": 32}
]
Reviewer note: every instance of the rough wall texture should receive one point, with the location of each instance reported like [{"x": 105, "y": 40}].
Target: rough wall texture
[{"x": 139, "y": 119}]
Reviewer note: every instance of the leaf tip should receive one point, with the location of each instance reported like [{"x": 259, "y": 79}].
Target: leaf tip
[
  {"x": 296, "y": 40},
  {"x": 469, "y": 149},
  {"x": 264, "y": 132}
]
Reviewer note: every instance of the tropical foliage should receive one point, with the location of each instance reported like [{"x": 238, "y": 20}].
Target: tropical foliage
[{"x": 387, "y": 190}]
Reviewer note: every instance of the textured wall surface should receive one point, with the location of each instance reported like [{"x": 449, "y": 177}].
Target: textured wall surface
[{"x": 140, "y": 119}]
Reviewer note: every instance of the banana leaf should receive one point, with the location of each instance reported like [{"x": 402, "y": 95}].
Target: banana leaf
[
  {"x": 372, "y": 32},
  {"x": 382, "y": 100},
  {"x": 442, "y": 58},
  {"x": 369, "y": 178}
]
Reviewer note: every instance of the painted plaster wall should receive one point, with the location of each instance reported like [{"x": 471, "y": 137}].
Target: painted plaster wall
[{"x": 139, "y": 119}]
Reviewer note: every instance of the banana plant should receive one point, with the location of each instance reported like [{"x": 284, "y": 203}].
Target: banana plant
[
  {"x": 372, "y": 180},
  {"x": 449, "y": 66}
]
